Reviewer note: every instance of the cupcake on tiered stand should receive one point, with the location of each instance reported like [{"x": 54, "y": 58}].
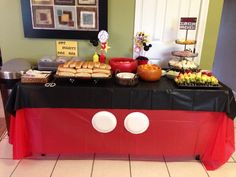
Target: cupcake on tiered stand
[{"x": 184, "y": 59}]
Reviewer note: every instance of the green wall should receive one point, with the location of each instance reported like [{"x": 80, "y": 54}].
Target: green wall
[
  {"x": 120, "y": 26},
  {"x": 14, "y": 45},
  {"x": 211, "y": 33}
]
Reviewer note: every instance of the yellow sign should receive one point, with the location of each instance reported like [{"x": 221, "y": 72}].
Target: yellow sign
[{"x": 67, "y": 48}]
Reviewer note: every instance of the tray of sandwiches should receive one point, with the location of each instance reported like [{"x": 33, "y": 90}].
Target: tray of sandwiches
[{"x": 74, "y": 69}]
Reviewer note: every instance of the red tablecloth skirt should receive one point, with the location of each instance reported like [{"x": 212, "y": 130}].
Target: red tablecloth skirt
[{"x": 173, "y": 134}]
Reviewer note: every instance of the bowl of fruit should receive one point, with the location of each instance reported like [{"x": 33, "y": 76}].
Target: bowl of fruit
[
  {"x": 149, "y": 72},
  {"x": 123, "y": 65}
]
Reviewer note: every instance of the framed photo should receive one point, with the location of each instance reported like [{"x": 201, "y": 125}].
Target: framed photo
[
  {"x": 43, "y": 17},
  {"x": 64, "y": 19},
  {"x": 42, "y": 2},
  {"x": 87, "y": 2},
  {"x": 87, "y": 18},
  {"x": 64, "y": 2}
]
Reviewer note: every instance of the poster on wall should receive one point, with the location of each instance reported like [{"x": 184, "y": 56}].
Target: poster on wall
[{"x": 65, "y": 19}]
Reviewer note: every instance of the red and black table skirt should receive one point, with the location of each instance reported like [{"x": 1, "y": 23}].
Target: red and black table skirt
[{"x": 183, "y": 123}]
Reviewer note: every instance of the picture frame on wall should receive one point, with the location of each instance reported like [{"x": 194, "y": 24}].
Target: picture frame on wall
[
  {"x": 42, "y": 2},
  {"x": 64, "y": 19},
  {"x": 87, "y": 2}
]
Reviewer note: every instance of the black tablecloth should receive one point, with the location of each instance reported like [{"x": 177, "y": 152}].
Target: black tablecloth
[{"x": 160, "y": 95}]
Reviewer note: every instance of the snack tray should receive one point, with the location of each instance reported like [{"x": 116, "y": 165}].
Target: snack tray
[
  {"x": 186, "y": 42},
  {"x": 192, "y": 86},
  {"x": 184, "y": 56},
  {"x": 182, "y": 69},
  {"x": 170, "y": 76},
  {"x": 81, "y": 78},
  {"x": 28, "y": 79}
]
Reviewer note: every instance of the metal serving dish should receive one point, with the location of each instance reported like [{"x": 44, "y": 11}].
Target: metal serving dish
[{"x": 126, "y": 79}]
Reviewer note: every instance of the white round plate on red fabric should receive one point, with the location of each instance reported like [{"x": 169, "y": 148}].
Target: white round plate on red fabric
[
  {"x": 104, "y": 122},
  {"x": 136, "y": 123}
]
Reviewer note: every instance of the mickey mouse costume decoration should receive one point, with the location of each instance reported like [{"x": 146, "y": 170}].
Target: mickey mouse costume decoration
[
  {"x": 102, "y": 38},
  {"x": 146, "y": 47},
  {"x": 141, "y": 47},
  {"x": 94, "y": 42}
]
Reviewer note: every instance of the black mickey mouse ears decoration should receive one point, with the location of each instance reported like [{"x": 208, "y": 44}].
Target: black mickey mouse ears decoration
[
  {"x": 94, "y": 42},
  {"x": 147, "y": 47}
]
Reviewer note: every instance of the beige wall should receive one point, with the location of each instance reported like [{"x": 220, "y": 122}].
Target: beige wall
[{"x": 120, "y": 26}]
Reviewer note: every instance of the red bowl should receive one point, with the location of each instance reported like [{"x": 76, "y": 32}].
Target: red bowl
[
  {"x": 142, "y": 62},
  {"x": 123, "y": 64}
]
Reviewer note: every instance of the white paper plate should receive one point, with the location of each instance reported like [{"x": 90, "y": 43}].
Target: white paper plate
[
  {"x": 104, "y": 122},
  {"x": 136, "y": 123}
]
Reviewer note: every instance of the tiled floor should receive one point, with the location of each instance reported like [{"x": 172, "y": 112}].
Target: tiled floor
[
  {"x": 64, "y": 166},
  {"x": 2, "y": 119}
]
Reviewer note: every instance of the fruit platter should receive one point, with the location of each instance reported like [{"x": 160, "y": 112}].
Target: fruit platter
[{"x": 199, "y": 79}]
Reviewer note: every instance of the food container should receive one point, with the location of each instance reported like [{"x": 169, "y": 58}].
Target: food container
[
  {"x": 126, "y": 79},
  {"x": 149, "y": 72},
  {"x": 123, "y": 65},
  {"x": 35, "y": 76},
  {"x": 142, "y": 60},
  {"x": 48, "y": 63},
  {"x": 171, "y": 74}
]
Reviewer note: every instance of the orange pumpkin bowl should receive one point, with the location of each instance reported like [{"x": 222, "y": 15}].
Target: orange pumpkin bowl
[{"x": 149, "y": 72}]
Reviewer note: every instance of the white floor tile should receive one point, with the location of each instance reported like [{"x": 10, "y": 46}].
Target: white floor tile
[
  {"x": 7, "y": 166},
  {"x": 2, "y": 114},
  {"x": 73, "y": 167},
  {"x": 34, "y": 168},
  {"x": 111, "y": 168},
  {"x": 231, "y": 160},
  {"x": 3, "y": 136},
  {"x": 227, "y": 170},
  {"x": 6, "y": 136},
  {"x": 235, "y": 135},
  {"x": 234, "y": 156},
  {"x": 186, "y": 169},
  {"x": 5, "y": 149},
  {"x": 148, "y": 169},
  {"x": 112, "y": 157},
  {"x": 42, "y": 157}
]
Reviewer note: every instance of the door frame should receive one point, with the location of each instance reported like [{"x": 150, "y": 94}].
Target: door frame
[{"x": 200, "y": 31}]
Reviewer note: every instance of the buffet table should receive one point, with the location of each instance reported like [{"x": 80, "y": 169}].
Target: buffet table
[{"x": 183, "y": 123}]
